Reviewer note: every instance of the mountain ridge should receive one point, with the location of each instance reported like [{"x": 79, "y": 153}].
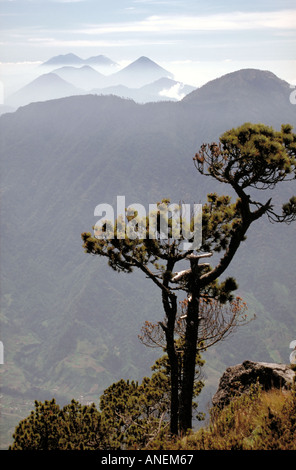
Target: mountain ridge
[
  {"x": 78, "y": 73},
  {"x": 45, "y": 87},
  {"x": 81, "y": 76},
  {"x": 70, "y": 324},
  {"x": 139, "y": 73},
  {"x": 73, "y": 59},
  {"x": 253, "y": 77}
]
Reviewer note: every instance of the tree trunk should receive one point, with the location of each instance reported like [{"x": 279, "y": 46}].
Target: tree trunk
[
  {"x": 170, "y": 307},
  {"x": 189, "y": 364},
  {"x": 174, "y": 424}
]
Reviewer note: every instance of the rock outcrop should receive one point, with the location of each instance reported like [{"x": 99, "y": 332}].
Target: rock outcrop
[{"x": 239, "y": 378}]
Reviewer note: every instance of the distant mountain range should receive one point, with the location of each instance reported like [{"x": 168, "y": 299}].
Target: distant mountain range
[
  {"x": 140, "y": 73},
  {"x": 164, "y": 89},
  {"x": 46, "y": 87},
  {"x": 143, "y": 80},
  {"x": 69, "y": 324},
  {"x": 82, "y": 77},
  {"x": 72, "y": 59}
]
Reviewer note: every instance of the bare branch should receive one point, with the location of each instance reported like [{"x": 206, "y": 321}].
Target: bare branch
[{"x": 180, "y": 275}]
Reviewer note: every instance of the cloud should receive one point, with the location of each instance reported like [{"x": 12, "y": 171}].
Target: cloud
[
  {"x": 233, "y": 21},
  {"x": 172, "y": 30},
  {"x": 174, "y": 92},
  {"x": 68, "y": 1},
  {"x": 89, "y": 43},
  {"x": 40, "y": 1},
  {"x": 156, "y": 2}
]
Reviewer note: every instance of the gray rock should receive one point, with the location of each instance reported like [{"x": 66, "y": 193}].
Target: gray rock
[{"x": 239, "y": 378}]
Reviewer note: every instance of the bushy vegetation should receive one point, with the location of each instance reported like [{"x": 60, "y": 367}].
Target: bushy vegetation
[
  {"x": 131, "y": 416},
  {"x": 135, "y": 417},
  {"x": 257, "y": 420},
  {"x": 49, "y": 427}
]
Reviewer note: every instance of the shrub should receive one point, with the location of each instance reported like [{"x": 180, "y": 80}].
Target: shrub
[{"x": 256, "y": 420}]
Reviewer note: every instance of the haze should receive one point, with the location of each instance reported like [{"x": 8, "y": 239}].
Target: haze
[{"x": 197, "y": 41}]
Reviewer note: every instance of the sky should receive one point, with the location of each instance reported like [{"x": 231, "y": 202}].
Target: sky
[{"x": 195, "y": 40}]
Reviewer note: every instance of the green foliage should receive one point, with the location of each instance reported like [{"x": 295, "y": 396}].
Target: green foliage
[
  {"x": 253, "y": 155},
  {"x": 135, "y": 414},
  {"x": 220, "y": 217},
  {"x": 49, "y": 427}
]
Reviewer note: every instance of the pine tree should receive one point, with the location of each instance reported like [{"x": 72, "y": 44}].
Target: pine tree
[
  {"x": 250, "y": 158},
  {"x": 49, "y": 427}
]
